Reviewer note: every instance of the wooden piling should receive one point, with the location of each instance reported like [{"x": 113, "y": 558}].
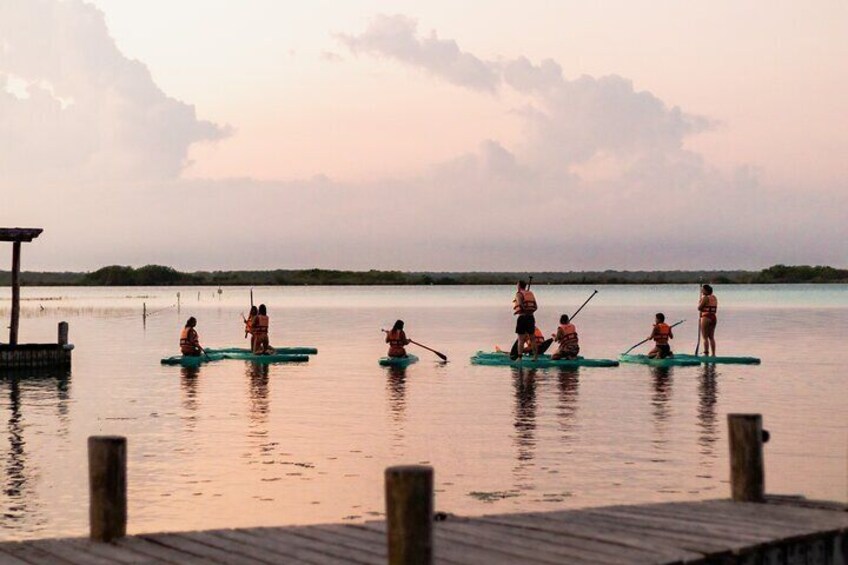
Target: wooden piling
[
  {"x": 63, "y": 333},
  {"x": 409, "y": 514},
  {"x": 747, "y": 474},
  {"x": 16, "y": 293},
  {"x": 107, "y": 475}
]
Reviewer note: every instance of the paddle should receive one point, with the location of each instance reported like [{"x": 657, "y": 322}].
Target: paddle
[
  {"x": 571, "y": 319},
  {"x": 441, "y": 356},
  {"x": 698, "y": 343},
  {"x": 649, "y": 339}
]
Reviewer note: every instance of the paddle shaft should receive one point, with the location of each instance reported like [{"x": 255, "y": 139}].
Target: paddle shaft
[
  {"x": 649, "y": 339},
  {"x": 698, "y": 343},
  {"x": 571, "y": 319}
]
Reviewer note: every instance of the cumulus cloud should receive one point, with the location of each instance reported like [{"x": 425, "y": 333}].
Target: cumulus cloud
[
  {"x": 396, "y": 37},
  {"x": 72, "y": 104}
]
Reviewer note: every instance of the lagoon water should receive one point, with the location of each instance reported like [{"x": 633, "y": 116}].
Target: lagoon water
[{"x": 234, "y": 444}]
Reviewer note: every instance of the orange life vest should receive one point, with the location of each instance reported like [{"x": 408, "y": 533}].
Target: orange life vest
[
  {"x": 711, "y": 306},
  {"x": 396, "y": 338},
  {"x": 662, "y": 333},
  {"x": 527, "y": 305},
  {"x": 189, "y": 340},
  {"x": 538, "y": 336},
  {"x": 259, "y": 326},
  {"x": 248, "y": 326},
  {"x": 567, "y": 335}
]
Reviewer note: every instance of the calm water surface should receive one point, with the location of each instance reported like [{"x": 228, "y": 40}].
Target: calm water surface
[{"x": 234, "y": 444}]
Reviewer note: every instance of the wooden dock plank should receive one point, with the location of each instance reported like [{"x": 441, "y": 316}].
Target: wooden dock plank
[
  {"x": 617, "y": 540},
  {"x": 679, "y": 532}
]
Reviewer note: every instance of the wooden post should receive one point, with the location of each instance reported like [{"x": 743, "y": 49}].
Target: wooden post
[
  {"x": 409, "y": 514},
  {"x": 107, "y": 478},
  {"x": 747, "y": 474},
  {"x": 16, "y": 292},
  {"x": 63, "y": 333}
]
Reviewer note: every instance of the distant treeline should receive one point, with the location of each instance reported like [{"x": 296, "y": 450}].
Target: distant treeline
[{"x": 156, "y": 275}]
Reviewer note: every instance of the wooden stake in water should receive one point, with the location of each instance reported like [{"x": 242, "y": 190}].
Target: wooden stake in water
[
  {"x": 409, "y": 514},
  {"x": 747, "y": 473},
  {"x": 107, "y": 479},
  {"x": 63, "y": 333}
]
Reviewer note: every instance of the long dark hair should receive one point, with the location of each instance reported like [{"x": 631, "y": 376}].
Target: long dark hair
[
  {"x": 398, "y": 326},
  {"x": 253, "y": 311},
  {"x": 262, "y": 310},
  {"x": 708, "y": 289},
  {"x": 191, "y": 322}
]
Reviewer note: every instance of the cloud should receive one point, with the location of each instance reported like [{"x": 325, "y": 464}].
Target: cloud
[
  {"x": 72, "y": 105},
  {"x": 396, "y": 37}
]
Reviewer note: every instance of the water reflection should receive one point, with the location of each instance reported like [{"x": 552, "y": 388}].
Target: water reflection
[
  {"x": 260, "y": 403},
  {"x": 189, "y": 383},
  {"x": 524, "y": 383},
  {"x": 707, "y": 417},
  {"x": 20, "y": 474},
  {"x": 568, "y": 384},
  {"x": 662, "y": 381},
  {"x": 396, "y": 390}
]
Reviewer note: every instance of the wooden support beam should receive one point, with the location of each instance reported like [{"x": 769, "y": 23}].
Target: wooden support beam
[
  {"x": 409, "y": 514},
  {"x": 107, "y": 477},
  {"x": 747, "y": 473},
  {"x": 16, "y": 292}
]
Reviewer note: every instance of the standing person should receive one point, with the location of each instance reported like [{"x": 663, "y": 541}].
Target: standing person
[
  {"x": 248, "y": 324},
  {"x": 396, "y": 338},
  {"x": 708, "y": 308},
  {"x": 661, "y": 334},
  {"x": 189, "y": 340},
  {"x": 566, "y": 337},
  {"x": 259, "y": 328},
  {"x": 524, "y": 305}
]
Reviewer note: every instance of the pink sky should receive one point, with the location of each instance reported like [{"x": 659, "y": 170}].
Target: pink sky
[{"x": 491, "y": 135}]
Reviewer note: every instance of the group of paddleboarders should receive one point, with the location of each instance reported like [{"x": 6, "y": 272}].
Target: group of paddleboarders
[
  {"x": 661, "y": 332},
  {"x": 255, "y": 325},
  {"x": 531, "y": 338}
]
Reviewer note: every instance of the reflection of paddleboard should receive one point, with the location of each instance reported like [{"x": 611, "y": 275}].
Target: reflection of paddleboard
[{"x": 656, "y": 362}]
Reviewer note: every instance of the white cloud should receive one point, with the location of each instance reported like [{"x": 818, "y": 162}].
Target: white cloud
[{"x": 72, "y": 105}]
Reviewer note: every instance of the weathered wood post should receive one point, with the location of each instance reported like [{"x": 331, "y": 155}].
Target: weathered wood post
[
  {"x": 107, "y": 479},
  {"x": 409, "y": 514},
  {"x": 63, "y": 333},
  {"x": 16, "y": 292},
  {"x": 747, "y": 473}
]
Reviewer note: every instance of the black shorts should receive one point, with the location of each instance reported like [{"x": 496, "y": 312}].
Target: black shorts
[
  {"x": 664, "y": 351},
  {"x": 525, "y": 324}
]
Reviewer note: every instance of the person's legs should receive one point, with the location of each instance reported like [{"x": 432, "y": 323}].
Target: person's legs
[
  {"x": 711, "y": 335},
  {"x": 654, "y": 352}
]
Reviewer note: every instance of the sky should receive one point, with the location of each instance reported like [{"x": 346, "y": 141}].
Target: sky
[{"x": 482, "y": 135}]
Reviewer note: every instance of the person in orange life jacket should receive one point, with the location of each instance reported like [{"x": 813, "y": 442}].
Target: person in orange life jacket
[
  {"x": 396, "y": 338},
  {"x": 524, "y": 305},
  {"x": 542, "y": 344},
  {"x": 566, "y": 337},
  {"x": 661, "y": 334},
  {"x": 189, "y": 340},
  {"x": 708, "y": 308},
  {"x": 248, "y": 324},
  {"x": 259, "y": 327}
]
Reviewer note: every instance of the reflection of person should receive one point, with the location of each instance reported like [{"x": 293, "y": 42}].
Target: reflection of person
[
  {"x": 396, "y": 338},
  {"x": 260, "y": 331},
  {"x": 661, "y": 334},
  {"x": 566, "y": 337},
  {"x": 189, "y": 340},
  {"x": 708, "y": 308},
  {"x": 524, "y": 305}
]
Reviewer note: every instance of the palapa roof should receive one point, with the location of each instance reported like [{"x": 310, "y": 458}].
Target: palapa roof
[{"x": 19, "y": 234}]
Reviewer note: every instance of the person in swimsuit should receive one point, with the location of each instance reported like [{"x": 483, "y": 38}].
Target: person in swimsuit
[
  {"x": 661, "y": 334},
  {"x": 708, "y": 307},
  {"x": 396, "y": 338},
  {"x": 524, "y": 305}
]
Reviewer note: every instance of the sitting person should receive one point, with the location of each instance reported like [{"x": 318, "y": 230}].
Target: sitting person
[
  {"x": 189, "y": 340},
  {"x": 661, "y": 334},
  {"x": 538, "y": 337},
  {"x": 566, "y": 337},
  {"x": 396, "y": 338}
]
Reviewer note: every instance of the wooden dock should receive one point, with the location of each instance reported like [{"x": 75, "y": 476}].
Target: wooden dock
[{"x": 720, "y": 531}]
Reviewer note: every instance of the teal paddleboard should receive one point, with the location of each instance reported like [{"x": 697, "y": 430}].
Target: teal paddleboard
[
  {"x": 398, "y": 361},
  {"x": 709, "y": 360},
  {"x": 196, "y": 361},
  {"x": 676, "y": 361},
  {"x": 501, "y": 358},
  {"x": 278, "y": 350}
]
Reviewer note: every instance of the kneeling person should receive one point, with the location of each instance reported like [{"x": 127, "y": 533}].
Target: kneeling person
[
  {"x": 566, "y": 337},
  {"x": 189, "y": 340},
  {"x": 661, "y": 334},
  {"x": 396, "y": 338}
]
